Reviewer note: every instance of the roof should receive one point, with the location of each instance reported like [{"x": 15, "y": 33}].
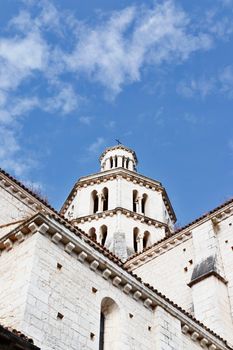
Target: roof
[
  {"x": 15, "y": 339},
  {"x": 119, "y": 147},
  {"x": 31, "y": 192},
  {"x": 180, "y": 230}
]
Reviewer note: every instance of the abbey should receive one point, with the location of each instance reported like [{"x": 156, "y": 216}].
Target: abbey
[{"x": 109, "y": 271}]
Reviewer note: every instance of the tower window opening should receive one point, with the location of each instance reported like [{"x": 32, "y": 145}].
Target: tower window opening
[
  {"x": 144, "y": 199},
  {"x": 103, "y": 233},
  {"x": 135, "y": 239},
  {"x": 123, "y": 161},
  {"x": 105, "y": 199},
  {"x": 95, "y": 202},
  {"x": 127, "y": 163},
  {"x": 111, "y": 162},
  {"x": 135, "y": 200},
  {"x": 92, "y": 234},
  {"x": 116, "y": 159},
  {"x": 146, "y": 240}
]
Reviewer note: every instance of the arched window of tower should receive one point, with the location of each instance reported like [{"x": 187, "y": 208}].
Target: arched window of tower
[
  {"x": 135, "y": 201},
  {"x": 146, "y": 240},
  {"x": 94, "y": 202},
  {"x": 103, "y": 234},
  {"x": 111, "y": 162},
  {"x": 135, "y": 239},
  {"x": 143, "y": 203},
  {"x": 127, "y": 163},
  {"x": 92, "y": 234},
  {"x": 116, "y": 161},
  {"x": 123, "y": 161},
  {"x": 109, "y": 325},
  {"x": 105, "y": 198}
]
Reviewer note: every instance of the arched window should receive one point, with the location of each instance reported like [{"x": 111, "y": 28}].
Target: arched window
[
  {"x": 105, "y": 198},
  {"x": 144, "y": 199},
  {"x": 123, "y": 161},
  {"x": 109, "y": 325},
  {"x": 116, "y": 161},
  {"x": 127, "y": 163},
  {"x": 146, "y": 239},
  {"x": 135, "y": 237},
  {"x": 95, "y": 201},
  {"x": 92, "y": 233},
  {"x": 135, "y": 198},
  {"x": 103, "y": 234},
  {"x": 111, "y": 162}
]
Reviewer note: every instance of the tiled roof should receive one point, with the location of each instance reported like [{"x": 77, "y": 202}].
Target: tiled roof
[
  {"x": 32, "y": 193},
  {"x": 10, "y": 336}
]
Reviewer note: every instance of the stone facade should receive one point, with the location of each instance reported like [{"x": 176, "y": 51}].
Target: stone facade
[{"x": 66, "y": 289}]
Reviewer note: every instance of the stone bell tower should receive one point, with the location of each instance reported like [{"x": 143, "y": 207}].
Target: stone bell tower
[{"x": 121, "y": 209}]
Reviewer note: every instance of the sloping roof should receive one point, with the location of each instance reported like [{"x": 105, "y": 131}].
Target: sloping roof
[
  {"x": 178, "y": 231},
  {"x": 15, "y": 339},
  {"x": 25, "y": 188}
]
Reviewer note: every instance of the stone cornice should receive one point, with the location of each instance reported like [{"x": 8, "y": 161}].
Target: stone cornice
[
  {"x": 138, "y": 217},
  {"x": 156, "y": 250},
  {"x": 120, "y": 173},
  {"x": 23, "y": 194},
  {"x": 85, "y": 251}
]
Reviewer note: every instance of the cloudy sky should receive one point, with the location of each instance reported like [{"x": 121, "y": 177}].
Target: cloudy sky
[{"x": 75, "y": 75}]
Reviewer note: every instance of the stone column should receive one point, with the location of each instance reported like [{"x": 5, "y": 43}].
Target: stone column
[
  {"x": 107, "y": 164},
  {"x": 131, "y": 165},
  {"x": 120, "y": 161},
  {"x": 139, "y": 205},
  {"x": 139, "y": 243},
  {"x": 100, "y": 202}
]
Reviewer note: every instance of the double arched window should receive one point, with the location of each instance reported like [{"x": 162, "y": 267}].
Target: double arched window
[
  {"x": 102, "y": 234},
  {"x": 141, "y": 240},
  {"x": 139, "y": 202},
  {"x": 99, "y": 201}
]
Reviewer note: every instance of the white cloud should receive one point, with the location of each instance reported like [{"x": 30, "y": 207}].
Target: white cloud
[
  {"x": 85, "y": 120},
  {"x": 96, "y": 146},
  {"x": 66, "y": 101},
  {"x": 115, "y": 52},
  {"x": 201, "y": 87},
  {"x": 220, "y": 83}
]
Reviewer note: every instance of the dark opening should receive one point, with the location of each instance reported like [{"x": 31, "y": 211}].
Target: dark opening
[{"x": 102, "y": 323}]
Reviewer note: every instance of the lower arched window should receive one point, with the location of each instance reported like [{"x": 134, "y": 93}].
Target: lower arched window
[
  {"x": 109, "y": 325},
  {"x": 146, "y": 239},
  {"x": 103, "y": 234},
  {"x": 135, "y": 239},
  {"x": 92, "y": 233}
]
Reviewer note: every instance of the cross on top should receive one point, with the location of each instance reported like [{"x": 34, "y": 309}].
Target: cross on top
[{"x": 118, "y": 142}]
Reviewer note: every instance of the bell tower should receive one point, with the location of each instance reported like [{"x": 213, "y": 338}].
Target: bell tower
[{"x": 121, "y": 209}]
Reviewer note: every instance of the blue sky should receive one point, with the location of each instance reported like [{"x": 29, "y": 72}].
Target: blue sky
[{"x": 75, "y": 75}]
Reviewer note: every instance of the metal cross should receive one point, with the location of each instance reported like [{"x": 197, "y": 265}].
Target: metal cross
[{"x": 118, "y": 142}]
